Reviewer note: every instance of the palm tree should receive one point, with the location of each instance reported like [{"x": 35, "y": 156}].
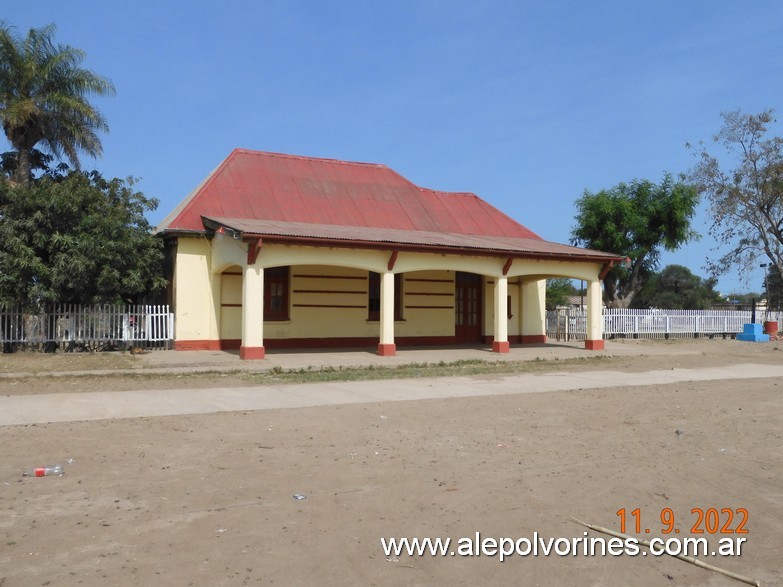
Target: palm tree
[{"x": 43, "y": 98}]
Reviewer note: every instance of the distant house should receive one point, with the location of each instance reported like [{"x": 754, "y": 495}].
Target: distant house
[
  {"x": 578, "y": 303},
  {"x": 283, "y": 251}
]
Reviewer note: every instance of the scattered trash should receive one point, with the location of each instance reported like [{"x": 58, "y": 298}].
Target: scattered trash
[
  {"x": 502, "y": 445},
  {"x": 221, "y": 530},
  {"x": 56, "y": 470},
  {"x": 44, "y": 471},
  {"x": 299, "y": 496},
  {"x": 392, "y": 559},
  {"x": 383, "y": 417}
]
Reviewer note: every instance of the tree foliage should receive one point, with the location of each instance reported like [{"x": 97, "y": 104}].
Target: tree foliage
[
  {"x": 677, "y": 288},
  {"x": 637, "y": 220},
  {"x": 773, "y": 288},
  {"x": 76, "y": 238},
  {"x": 746, "y": 196},
  {"x": 557, "y": 292},
  {"x": 44, "y": 98}
]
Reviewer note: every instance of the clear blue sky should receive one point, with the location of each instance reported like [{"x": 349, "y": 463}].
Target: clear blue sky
[{"x": 525, "y": 104}]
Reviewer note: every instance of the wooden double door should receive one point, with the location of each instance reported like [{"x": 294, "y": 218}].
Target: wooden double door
[{"x": 468, "y": 308}]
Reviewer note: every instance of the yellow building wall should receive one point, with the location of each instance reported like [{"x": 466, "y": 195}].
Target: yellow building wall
[
  {"x": 488, "y": 318},
  {"x": 427, "y": 304},
  {"x": 324, "y": 302},
  {"x": 333, "y": 302},
  {"x": 328, "y": 289},
  {"x": 515, "y": 319},
  {"x": 195, "y": 306},
  {"x": 231, "y": 304},
  {"x": 514, "y": 308}
]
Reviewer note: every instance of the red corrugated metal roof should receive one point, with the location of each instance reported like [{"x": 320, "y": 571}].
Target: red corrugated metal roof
[{"x": 255, "y": 185}]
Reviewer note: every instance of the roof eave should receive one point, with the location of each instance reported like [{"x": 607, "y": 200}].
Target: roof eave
[
  {"x": 177, "y": 232},
  {"x": 423, "y": 248}
]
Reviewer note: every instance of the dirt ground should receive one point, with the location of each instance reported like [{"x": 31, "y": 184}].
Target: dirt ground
[{"x": 208, "y": 499}]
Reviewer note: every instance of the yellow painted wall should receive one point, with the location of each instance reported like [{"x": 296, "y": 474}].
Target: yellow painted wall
[
  {"x": 488, "y": 291},
  {"x": 309, "y": 293},
  {"x": 438, "y": 290},
  {"x": 516, "y": 313},
  {"x": 195, "y": 307},
  {"x": 515, "y": 320},
  {"x": 202, "y": 289},
  {"x": 231, "y": 295}
]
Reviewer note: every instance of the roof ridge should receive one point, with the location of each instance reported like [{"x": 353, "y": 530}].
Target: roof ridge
[{"x": 307, "y": 158}]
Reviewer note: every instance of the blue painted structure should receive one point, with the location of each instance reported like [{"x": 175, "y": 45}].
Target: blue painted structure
[{"x": 752, "y": 333}]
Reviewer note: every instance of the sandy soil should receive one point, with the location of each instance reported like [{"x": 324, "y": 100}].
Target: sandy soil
[{"x": 207, "y": 500}]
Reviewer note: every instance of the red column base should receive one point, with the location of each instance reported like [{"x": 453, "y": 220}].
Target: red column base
[
  {"x": 594, "y": 345},
  {"x": 500, "y": 347},
  {"x": 387, "y": 350},
  {"x": 533, "y": 339},
  {"x": 252, "y": 353}
]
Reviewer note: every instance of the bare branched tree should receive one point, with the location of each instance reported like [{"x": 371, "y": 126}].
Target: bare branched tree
[{"x": 745, "y": 192}]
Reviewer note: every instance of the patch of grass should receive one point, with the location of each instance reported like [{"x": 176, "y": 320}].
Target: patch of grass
[
  {"x": 463, "y": 367},
  {"x": 278, "y": 375},
  {"x": 36, "y": 362}
]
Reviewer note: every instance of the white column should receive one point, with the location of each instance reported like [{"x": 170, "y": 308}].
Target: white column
[
  {"x": 252, "y": 314},
  {"x": 534, "y": 312},
  {"x": 500, "y": 342},
  {"x": 386, "y": 346},
  {"x": 594, "y": 339}
]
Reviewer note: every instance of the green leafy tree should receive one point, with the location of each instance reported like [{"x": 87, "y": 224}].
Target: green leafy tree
[
  {"x": 745, "y": 192},
  {"x": 38, "y": 162},
  {"x": 76, "y": 238},
  {"x": 44, "y": 98},
  {"x": 773, "y": 288},
  {"x": 677, "y": 288},
  {"x": 558, "y": 291},
  {"x": 638, "y": 220}
]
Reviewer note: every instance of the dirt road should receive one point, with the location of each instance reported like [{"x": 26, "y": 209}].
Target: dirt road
[{"x": 208, "y": 499}]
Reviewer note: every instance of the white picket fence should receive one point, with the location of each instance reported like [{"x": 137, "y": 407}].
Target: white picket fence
[
  {"x": 75, "y": 327},
  {"x": 571, "y": 324}
]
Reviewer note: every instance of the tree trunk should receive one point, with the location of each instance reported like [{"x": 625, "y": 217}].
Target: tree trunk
[
  {"x": 23, "y": 173},
  {"x": 24, "y": 139}
]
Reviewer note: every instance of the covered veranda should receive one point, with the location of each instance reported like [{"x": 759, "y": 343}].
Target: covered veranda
[{"x": 510, "y": 292}]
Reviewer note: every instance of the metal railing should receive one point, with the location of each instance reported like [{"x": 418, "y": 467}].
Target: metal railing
[
  {"x": 76, "y": 327},
  {"x": 571, "y": 324}
]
